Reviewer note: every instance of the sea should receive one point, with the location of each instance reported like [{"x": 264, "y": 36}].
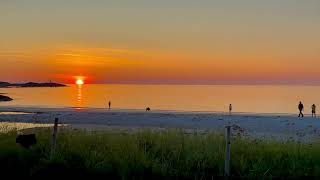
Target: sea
[{"x": 206, "y": 98}]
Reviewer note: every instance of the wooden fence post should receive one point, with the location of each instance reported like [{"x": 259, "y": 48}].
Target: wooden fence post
[
  {"x": 227, "y": 158},
  {"x": 54, "y": 138}
]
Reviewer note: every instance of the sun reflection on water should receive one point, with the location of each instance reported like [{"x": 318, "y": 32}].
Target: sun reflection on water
[{"x": 79, "y": 96}]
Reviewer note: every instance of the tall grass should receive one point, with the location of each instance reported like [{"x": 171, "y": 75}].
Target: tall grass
[{"x": 147, "y": 154}]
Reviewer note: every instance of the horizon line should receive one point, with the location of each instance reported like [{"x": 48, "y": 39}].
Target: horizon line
[
  {"x": 207, "y": 83},
  {"x": 184, "y": 83}
]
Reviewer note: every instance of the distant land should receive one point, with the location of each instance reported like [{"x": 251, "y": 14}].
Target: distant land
[
  {"x": 22, "y": 85},
  {"x": 30, "y": 84}
]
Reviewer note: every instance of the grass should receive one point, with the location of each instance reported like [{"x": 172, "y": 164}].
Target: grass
[{"x": 146, "y": 154}]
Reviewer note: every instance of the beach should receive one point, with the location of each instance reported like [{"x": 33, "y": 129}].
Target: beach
[{"x": 283, "y": 127}]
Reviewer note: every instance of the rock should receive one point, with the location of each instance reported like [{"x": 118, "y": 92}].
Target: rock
[
  {"x": 26, "y": 140},
  {"x": 5, "y": 98}
]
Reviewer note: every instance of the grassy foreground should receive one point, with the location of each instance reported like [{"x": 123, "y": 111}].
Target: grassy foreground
[{"x": 146, "y": 154}]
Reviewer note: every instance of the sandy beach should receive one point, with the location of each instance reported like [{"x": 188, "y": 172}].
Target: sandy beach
[{"x": 260, "y": 126}]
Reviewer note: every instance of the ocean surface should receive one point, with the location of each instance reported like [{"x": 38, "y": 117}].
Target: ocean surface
[{"x": 244, "y": 98}]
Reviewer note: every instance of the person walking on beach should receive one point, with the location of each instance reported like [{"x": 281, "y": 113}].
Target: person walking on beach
[
  {"x": 313, "y": 110},
  {"x": 230, "y": 109},
  {"x": 300, "y": 107},
  {"x": 109, "y": 104}
]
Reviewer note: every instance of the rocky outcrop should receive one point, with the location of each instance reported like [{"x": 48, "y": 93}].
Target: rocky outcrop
[{"x": 5, "y": 98}]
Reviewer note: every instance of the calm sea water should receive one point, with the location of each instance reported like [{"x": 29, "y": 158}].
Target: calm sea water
[{"x": 261, "y": 99}]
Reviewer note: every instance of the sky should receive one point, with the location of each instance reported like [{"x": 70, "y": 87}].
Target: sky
[{"x": 167, "y": 41}]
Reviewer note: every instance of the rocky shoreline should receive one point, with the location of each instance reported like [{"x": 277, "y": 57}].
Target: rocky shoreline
[{"x": 5, "y": 98}]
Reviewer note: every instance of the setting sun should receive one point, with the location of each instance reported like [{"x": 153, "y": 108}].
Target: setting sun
[{"x": 79, "y": 82}]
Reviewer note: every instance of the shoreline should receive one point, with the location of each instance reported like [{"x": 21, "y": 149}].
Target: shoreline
[
  {"x": 286, "y": 127},
  {"x": 31, "y": 109}
]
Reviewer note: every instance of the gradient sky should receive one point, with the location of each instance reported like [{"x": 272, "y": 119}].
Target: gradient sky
[{"x": 167, "y": 41}]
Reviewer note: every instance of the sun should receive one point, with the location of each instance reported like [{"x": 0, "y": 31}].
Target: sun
[{"x": 79, "y": 82}]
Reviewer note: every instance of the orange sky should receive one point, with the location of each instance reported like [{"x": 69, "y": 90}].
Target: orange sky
[{"x": 206, "y": 42}]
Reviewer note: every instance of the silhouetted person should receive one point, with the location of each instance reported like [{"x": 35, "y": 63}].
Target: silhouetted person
[
  {"x": 109, "y": 104},
  {"x": 148, "y": 109},
  {"x": 230, "y": 108},
  {"x": 300, "y": 107},
  {"x": 313, "y": 110}
]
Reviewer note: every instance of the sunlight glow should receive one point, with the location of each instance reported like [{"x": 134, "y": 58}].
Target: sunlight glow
[{"x": 79, "y": 82}]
